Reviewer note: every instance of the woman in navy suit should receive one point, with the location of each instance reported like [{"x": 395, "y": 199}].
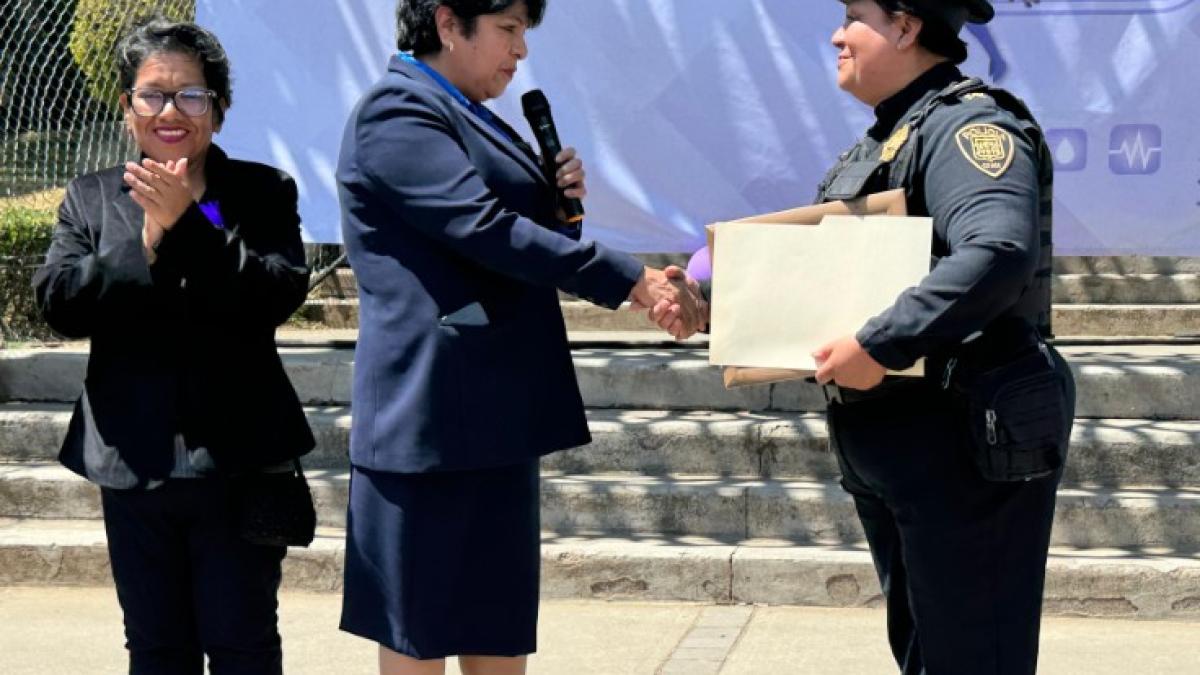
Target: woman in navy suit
[{"x": 463, "y": 374}]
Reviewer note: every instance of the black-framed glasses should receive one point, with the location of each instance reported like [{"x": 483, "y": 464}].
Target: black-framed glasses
[{"x": 193, "y": 101}]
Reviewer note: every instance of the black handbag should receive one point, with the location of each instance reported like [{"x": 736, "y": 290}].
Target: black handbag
[
  {"x": 1019, "y": 417},
  {"x": 274, "y": 509}
]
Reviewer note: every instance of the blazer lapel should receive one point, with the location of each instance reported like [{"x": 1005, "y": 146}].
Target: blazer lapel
[
  {"x": 515, "y": 148},
  {"x": 518, "y": 149}
]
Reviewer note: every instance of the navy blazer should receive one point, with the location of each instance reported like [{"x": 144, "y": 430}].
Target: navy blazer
[
  {"x": 186, "y": 345},
  {"x": 462, "y": 359}
]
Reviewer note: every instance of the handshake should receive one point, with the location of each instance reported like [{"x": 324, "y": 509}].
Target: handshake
[{"x": 673, "y": 299}]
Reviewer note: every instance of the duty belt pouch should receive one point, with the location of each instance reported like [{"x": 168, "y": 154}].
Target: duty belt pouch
[{"x": 1019, "y": 417}]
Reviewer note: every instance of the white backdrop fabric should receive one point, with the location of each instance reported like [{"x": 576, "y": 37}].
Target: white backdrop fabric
[{"x": 692, "y": 111}]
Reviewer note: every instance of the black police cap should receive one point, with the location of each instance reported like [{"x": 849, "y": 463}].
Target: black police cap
[{"x": 955, "y": 12}]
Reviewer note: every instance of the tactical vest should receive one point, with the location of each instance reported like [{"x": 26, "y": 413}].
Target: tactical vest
[{"x": 891, "y": 168}]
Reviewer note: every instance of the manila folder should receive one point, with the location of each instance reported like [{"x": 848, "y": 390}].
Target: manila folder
[{"x": 780, "y": 292}]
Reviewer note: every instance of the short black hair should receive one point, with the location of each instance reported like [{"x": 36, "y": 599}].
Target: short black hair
[
  {"x": 936, "y": 35},
  {"x": 156, "y": 35},
  {"x": 416, "y": 28}
]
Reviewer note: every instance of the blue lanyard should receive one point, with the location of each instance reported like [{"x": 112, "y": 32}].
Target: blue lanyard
[{"x": 478, "y": 110}]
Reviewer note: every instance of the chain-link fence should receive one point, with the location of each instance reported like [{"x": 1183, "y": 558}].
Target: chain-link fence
[
  {"x": 58, "y": 90},
  {"x": 60, "y": 118}
]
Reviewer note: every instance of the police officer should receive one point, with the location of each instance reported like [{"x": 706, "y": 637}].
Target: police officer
[{"x": 954, "y": 475}]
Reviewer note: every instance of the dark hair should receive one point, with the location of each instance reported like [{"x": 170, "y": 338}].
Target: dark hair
[
  {"x": 155, "y": 35},
  {"x": 936, "y": 35},
  {"x": 416, "y": 28}
]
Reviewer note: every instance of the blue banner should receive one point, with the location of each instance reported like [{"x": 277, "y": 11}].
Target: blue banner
[{"x": 692, "y": 111}]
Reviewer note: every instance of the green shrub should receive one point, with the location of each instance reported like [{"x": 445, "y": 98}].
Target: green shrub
[
  {"x": 25, "y": 235},
  {"x": 100, "y": 24}
]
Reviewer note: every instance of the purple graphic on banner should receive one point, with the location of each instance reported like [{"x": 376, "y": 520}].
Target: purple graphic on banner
[
  {"x": 1135, "y": 149},
  {"x": 1069, "y": 148},
  {"x": 997, "y": 64},
  {"x": 1093, "y": 7}
]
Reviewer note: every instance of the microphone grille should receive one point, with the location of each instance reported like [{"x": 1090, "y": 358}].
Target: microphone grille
[{"x": 534, "y": 102}]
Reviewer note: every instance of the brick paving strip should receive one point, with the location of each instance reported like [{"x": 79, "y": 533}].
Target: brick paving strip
[{"x": 710, "y": 641}]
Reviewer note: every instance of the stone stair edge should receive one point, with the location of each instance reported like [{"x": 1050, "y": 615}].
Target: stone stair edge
[
  {"x": 810, "y": 511},
  {"x": 807, "y": 488},
  {"x": 1144, "y": 585},
  {"x": 781, "y": 445}
]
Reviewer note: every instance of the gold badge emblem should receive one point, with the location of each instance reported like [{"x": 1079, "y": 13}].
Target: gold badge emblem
[
  {"x": 892, "y": 146},
  {"x": 986, "y": 146}
]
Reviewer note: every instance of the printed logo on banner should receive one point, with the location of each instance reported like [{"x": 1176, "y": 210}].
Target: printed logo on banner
[
  {"x": 1103, "y": 7},
  {"x": 998, "y": 64},
  {"x": 1069, "y": 148},
  {"x": 1135, "y": 149}
]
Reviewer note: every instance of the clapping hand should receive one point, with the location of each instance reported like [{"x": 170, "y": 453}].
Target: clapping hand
[
  {"x": 162, "y": 190},
  {"x": 673, "y": 300}
]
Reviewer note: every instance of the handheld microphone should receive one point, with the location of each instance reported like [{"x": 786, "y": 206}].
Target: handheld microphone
[{"x": 537, "y": 111}]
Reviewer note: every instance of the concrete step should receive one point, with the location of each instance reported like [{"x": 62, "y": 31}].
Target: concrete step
[
  {"x": 1148, "y": 289},
  {"x": 1120, "y": 382},
  {"x": 1110, "y": 583},
  {"x": 820, "y": 512},
  {"x": 809, "y": 512},
  {"x": 1115, "y": 381},
  {"x": 1126, "y": 320},
  {"x": 342, "y": 284},
  {"x": 335, "y": 313},
  {"x": 1133, "y": 264},
  {"x": 1070, "y": 320},
  {"x": 1109, "y": 453}
]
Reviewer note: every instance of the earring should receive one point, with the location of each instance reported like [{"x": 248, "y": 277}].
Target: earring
[{"x": 449, "y": 46}]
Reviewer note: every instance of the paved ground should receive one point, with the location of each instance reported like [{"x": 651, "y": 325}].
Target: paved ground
[{"x": 68, "y": 631}]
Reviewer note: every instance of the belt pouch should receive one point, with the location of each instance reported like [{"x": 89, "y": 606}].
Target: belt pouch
[{"x": 1019, "y": 418}]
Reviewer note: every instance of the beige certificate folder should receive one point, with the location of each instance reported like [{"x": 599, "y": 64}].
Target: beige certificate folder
[{"x": 780, "y": 291}]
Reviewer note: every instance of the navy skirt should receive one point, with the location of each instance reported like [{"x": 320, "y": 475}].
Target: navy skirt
[{"x": 444, "y": 564}]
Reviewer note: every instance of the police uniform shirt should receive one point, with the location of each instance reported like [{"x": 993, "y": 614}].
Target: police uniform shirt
[{"x": 975, "y": 171}]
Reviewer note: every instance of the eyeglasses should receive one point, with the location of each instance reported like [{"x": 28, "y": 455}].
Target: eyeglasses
[{"x": 192, "y": 102}]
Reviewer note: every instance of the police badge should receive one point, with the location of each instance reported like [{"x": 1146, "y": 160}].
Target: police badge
[{"x": 987, "y": 147}]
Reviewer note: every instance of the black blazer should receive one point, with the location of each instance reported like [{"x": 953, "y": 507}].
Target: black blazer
[
  {"x": 462, "y": 359},
  {"x": 186, "y": 345}
]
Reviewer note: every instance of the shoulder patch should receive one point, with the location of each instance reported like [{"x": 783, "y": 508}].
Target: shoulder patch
[
  {"x": 987, "y": 147},
  {"x": 894, "y": 143}
]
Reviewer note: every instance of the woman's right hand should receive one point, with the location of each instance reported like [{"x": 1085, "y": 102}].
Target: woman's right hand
[{"x": 570, "y": 175}]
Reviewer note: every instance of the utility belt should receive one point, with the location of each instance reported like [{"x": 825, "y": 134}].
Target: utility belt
[
  {"x": 1013, "y": 392},
  {"x": 1017, "y": 400},
  {"x": 1004, "y": 341},
  {"x": 891, "y": 386}
]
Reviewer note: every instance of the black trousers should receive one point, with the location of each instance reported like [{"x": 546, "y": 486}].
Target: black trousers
[
  {"x": 188, "y": 586},
  {"x": 962, "y": 561}
]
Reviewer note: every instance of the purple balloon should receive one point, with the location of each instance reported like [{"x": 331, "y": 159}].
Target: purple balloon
[{"x": 700, "y": 265}]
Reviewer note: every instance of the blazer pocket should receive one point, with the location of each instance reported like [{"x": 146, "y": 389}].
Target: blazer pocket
[
  {"x": 473, "y": 316},
  {"x": 489, "y": 368}
]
